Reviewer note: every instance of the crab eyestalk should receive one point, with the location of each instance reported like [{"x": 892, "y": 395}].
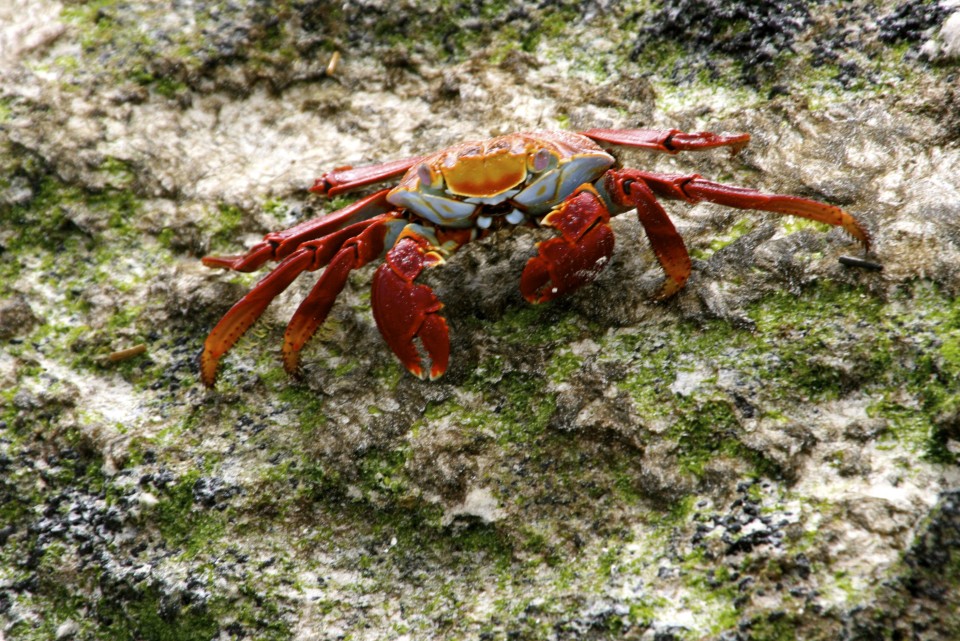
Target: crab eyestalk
[
  {"x": 543, "y": 160},
  {"x": 429, "y": 179}
]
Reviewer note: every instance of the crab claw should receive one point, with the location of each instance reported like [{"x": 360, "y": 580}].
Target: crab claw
[
  {"x": 577, "y": 256},
  {"x": 407, "y": 313}
]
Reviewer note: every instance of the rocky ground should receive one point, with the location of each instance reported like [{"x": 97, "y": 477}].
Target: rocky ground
[{"x": 771, "y": 454}]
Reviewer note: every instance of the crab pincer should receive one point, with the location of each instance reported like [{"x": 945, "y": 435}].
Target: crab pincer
[
  {"x": 408, "y": 313},
  {"x": 577, "y": 255}
]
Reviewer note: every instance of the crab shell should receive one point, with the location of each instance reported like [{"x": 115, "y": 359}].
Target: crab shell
[{"x": 516, "y": 176}]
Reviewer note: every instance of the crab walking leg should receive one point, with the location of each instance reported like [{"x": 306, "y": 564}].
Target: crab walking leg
[
  {"x": 238, "y": 319},
  {"x": 669, "y": 141},
  {"x": 578, "y": 255},
  {"x": 693, "y": 189},
  {"x": 627, "y": 193},
  {"x": 346, "y": 178},
  {"x": 278, "y": 245},
  {"x": 405, "y": 311},
  {"x": 312, "y": 312}
]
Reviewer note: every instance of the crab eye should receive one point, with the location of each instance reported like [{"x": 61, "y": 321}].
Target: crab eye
[
  {"x": 543, "y": 160},
  {"x": 428, "y": 177}
]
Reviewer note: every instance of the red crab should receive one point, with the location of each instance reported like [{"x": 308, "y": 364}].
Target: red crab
[{"x": 556, "y": 179}]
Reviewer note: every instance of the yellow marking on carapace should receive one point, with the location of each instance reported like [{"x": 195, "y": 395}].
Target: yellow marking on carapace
[{"x": 485, "y": 175}]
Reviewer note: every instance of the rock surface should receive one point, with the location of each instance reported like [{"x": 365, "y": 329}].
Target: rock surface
[{"x": 770, "y": 454}]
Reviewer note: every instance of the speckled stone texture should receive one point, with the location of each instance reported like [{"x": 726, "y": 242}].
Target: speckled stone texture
[{"x": 771, "y": 454}]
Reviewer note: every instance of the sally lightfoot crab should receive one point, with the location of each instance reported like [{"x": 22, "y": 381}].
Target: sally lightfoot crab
[{"x": 561, "y": 180}]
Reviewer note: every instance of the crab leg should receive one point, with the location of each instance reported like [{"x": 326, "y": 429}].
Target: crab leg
[
  {"x": 355, "y": 253},
  {"x": 693, "y": 189},
  {"x": 577, "y": 256},
  {"x": 669, "y": 141},
  {"x": 627, "y": 192},
  {"x": 308, "y": 257},
  {"x": 280, "y": 244},
  {"x": 406, "y": 312},
  {"x": 629, "y": 188},
  {"x": 346, "y": 178}
]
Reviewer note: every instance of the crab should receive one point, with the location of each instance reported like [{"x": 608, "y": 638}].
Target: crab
[{"x": 561, "y": 180}]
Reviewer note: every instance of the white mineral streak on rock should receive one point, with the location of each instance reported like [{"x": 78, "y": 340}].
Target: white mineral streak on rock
[
  {"x": 687, "y": 382},
  {"x": 480, "y": 503},
  {"x": 950, "y": 33},
  {"x": 26, "y": 25},
  {"x": 889, "y": 500},
  {"x": 107, "y": 401},
  {"x": 65, "y": 630},
  {"x": 946, "y": 43}
]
